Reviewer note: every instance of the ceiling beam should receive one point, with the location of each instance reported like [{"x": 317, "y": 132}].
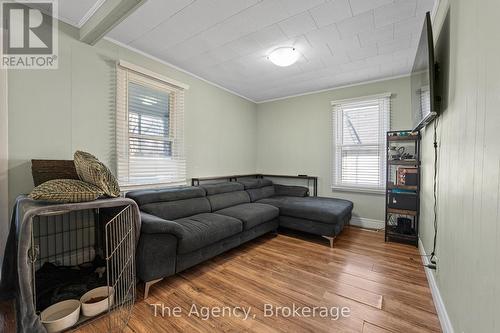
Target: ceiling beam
[{"x": 109, "y": 14}]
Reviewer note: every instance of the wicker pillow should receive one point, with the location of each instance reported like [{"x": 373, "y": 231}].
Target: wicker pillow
[
  {"x": 66, "y": 190},
  {"x": 90, "y": 170}
]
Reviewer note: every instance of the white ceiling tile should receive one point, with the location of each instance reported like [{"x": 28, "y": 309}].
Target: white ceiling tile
[
  {"x": 227, "y": 41},
  {"x": 245, "y": 45},
  {"x": 360, "y": 6},
  {"x": 402, "y": 43},
  {"x": 74, "y": 11},
  {"x": 294, "y": 7},
  {"x": 397, "y": 12},
  {"x": 424, "y": 6},
  {"x": 298, "y": 25},
  {"x": 322, "y": 36},
  {"x": 354, "y": 25},
  {"x": 338, "y": 57},
  {"x": 363, "y": 52},
  {"x": 383, "y": 34},
  {"x": 331, "y": 12},
  {"x": 269, "y": 36},
  {"x": 411, "y": 25}
]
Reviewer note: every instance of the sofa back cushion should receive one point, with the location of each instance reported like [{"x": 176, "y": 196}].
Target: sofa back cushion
[
  {"x": 172, "y": 203},
  {"x": 255, "y": 183},
  {"x": 225, "y": 195},
  {"x": 259, "y": 188},
  {"x": 260, "y": 193}
]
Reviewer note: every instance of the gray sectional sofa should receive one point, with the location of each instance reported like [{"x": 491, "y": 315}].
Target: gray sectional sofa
[{"x": 182, "y": 227}]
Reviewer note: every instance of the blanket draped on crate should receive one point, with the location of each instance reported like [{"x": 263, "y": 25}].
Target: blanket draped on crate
[{"x": 17, "y": 272}]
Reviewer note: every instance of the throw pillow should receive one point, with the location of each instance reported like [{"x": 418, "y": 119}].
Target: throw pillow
[
  {"x": 66, "y": 190},
  {"x": 92, "y": 171}
]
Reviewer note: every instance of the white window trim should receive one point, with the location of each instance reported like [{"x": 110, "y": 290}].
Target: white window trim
[
  {"x": 152, "y": 74},
  {"x": 361, "y": 189},
  {"x": 123, "y": 65}
]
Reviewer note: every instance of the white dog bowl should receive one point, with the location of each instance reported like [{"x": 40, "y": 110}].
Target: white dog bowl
[
  {"x": 95, "y": 301},
  {"x": 61, "y": 316}
]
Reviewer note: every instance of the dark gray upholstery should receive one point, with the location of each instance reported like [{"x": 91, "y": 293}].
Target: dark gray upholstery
[
  {"x": 292, "y": 191},
  {"x": 325, "y": 210},
  {"x": 260, "y": 193},
  {"x": 143, "y": 197},
  {"x": 156, "y": 256},
  {"x": 172, "y": 210},
  {"x": 255, "y": 183},
  {"x": 252, "y": 214},
  {"x": 155, "y": 225},
  {"x": 223, "y": 188},
  {"x": 203, "y": 229},
  {"x": 309, "y": 226},
  {"x": 223, "y": 200},
  {"x": 190, "y": 259},
  {"x": 185, "y": 226}
]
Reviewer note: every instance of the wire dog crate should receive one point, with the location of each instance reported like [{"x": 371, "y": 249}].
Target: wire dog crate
[{"x": 78, "y": 249}]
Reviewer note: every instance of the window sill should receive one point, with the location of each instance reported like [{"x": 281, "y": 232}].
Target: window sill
[
  {"x": 358, "y": 190},
  {"x": 128, "y": 188}
]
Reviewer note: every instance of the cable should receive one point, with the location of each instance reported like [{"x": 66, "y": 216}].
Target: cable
[{"x": 433, "y": 253}]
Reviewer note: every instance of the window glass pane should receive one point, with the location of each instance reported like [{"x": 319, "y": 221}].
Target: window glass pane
[
  {"x": 360, "y": 124},
  {"x": 360, "y": 128},
  {"x": 148, "y": 121}
]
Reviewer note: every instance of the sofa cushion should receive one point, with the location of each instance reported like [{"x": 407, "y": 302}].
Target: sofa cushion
[
  {"x": 171, "y": 210},
  {"x": 260, "y": 193},
  {"x": 204, "y": 229},
  {"x": 223, "y": 188},
  {"x": 143, "y": 197},
  {"x": 252, "y": 214},
  {"x": 289, "y": 190},
  {"x": 223, "y": 200},
  {"x": 255, "y": 183},
  {"x": 326, "y": 210}
]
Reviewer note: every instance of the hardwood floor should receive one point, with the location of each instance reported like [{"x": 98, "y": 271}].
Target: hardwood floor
[{"x": 383, "y": 285}]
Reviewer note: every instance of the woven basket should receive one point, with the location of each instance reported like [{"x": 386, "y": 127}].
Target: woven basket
[{"x": 45, "y": 170}]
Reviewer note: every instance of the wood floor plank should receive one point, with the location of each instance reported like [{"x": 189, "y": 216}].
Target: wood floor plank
[
  {"x": 383, "y": 285},
  {"x": 370, "y": 328}
]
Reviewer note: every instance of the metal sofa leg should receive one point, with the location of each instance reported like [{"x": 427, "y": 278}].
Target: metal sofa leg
[
  {"x": 331, "y": 239},
  {"x": 148, "y": 284}
]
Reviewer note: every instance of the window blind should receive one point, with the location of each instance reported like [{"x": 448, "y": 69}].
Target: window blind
[
  {"x": 149, "y": 130},
  {"x": 360, "y": 127}
]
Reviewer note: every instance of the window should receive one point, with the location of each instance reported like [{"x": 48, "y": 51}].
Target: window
[
  {"x": 149, "y": 128},
  {"x": 360, "y": 127}
]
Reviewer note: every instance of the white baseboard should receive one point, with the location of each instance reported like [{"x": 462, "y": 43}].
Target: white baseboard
[
  {"x": 364, "y": 222},
  {"x": 436, "y": 295}
]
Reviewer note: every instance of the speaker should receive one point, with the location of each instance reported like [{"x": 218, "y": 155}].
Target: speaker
[{"x": 405, "y": 201}]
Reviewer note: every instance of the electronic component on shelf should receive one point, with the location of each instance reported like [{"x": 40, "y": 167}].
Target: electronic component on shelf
[{"x": 407, "y": 176}]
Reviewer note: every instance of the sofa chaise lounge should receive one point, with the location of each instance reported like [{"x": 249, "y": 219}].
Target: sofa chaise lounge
[{"x": 184, "y": 226}]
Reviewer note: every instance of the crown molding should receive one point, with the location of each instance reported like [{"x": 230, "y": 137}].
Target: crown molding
[
  {"x": 133, "y": 49},
  {"x": 334, "y": 88},
  {"x": 89, "y": 14}
]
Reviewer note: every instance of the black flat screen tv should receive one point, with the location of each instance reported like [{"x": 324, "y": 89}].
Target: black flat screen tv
[{"x": 424, "y": 97}]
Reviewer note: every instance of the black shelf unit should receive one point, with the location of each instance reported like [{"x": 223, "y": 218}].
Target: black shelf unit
[{"x": 402, "y": 200}]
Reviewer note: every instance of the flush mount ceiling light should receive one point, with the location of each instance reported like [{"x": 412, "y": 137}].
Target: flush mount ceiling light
[{"x": 284, "y": 56}]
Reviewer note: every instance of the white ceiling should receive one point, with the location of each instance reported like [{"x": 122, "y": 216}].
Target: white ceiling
[
  {"x": 226, "y": 42},
  {"x": 76, "y": 12}
]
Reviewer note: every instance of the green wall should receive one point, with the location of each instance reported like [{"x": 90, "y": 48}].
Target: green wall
[
  {"x": 52, "y": 113},
  {"x": 468, "y": 242},
  {"x": 295, "y": 137}
]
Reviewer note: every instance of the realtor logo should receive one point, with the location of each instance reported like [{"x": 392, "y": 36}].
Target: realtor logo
[{"x": 29, "y": 36}]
